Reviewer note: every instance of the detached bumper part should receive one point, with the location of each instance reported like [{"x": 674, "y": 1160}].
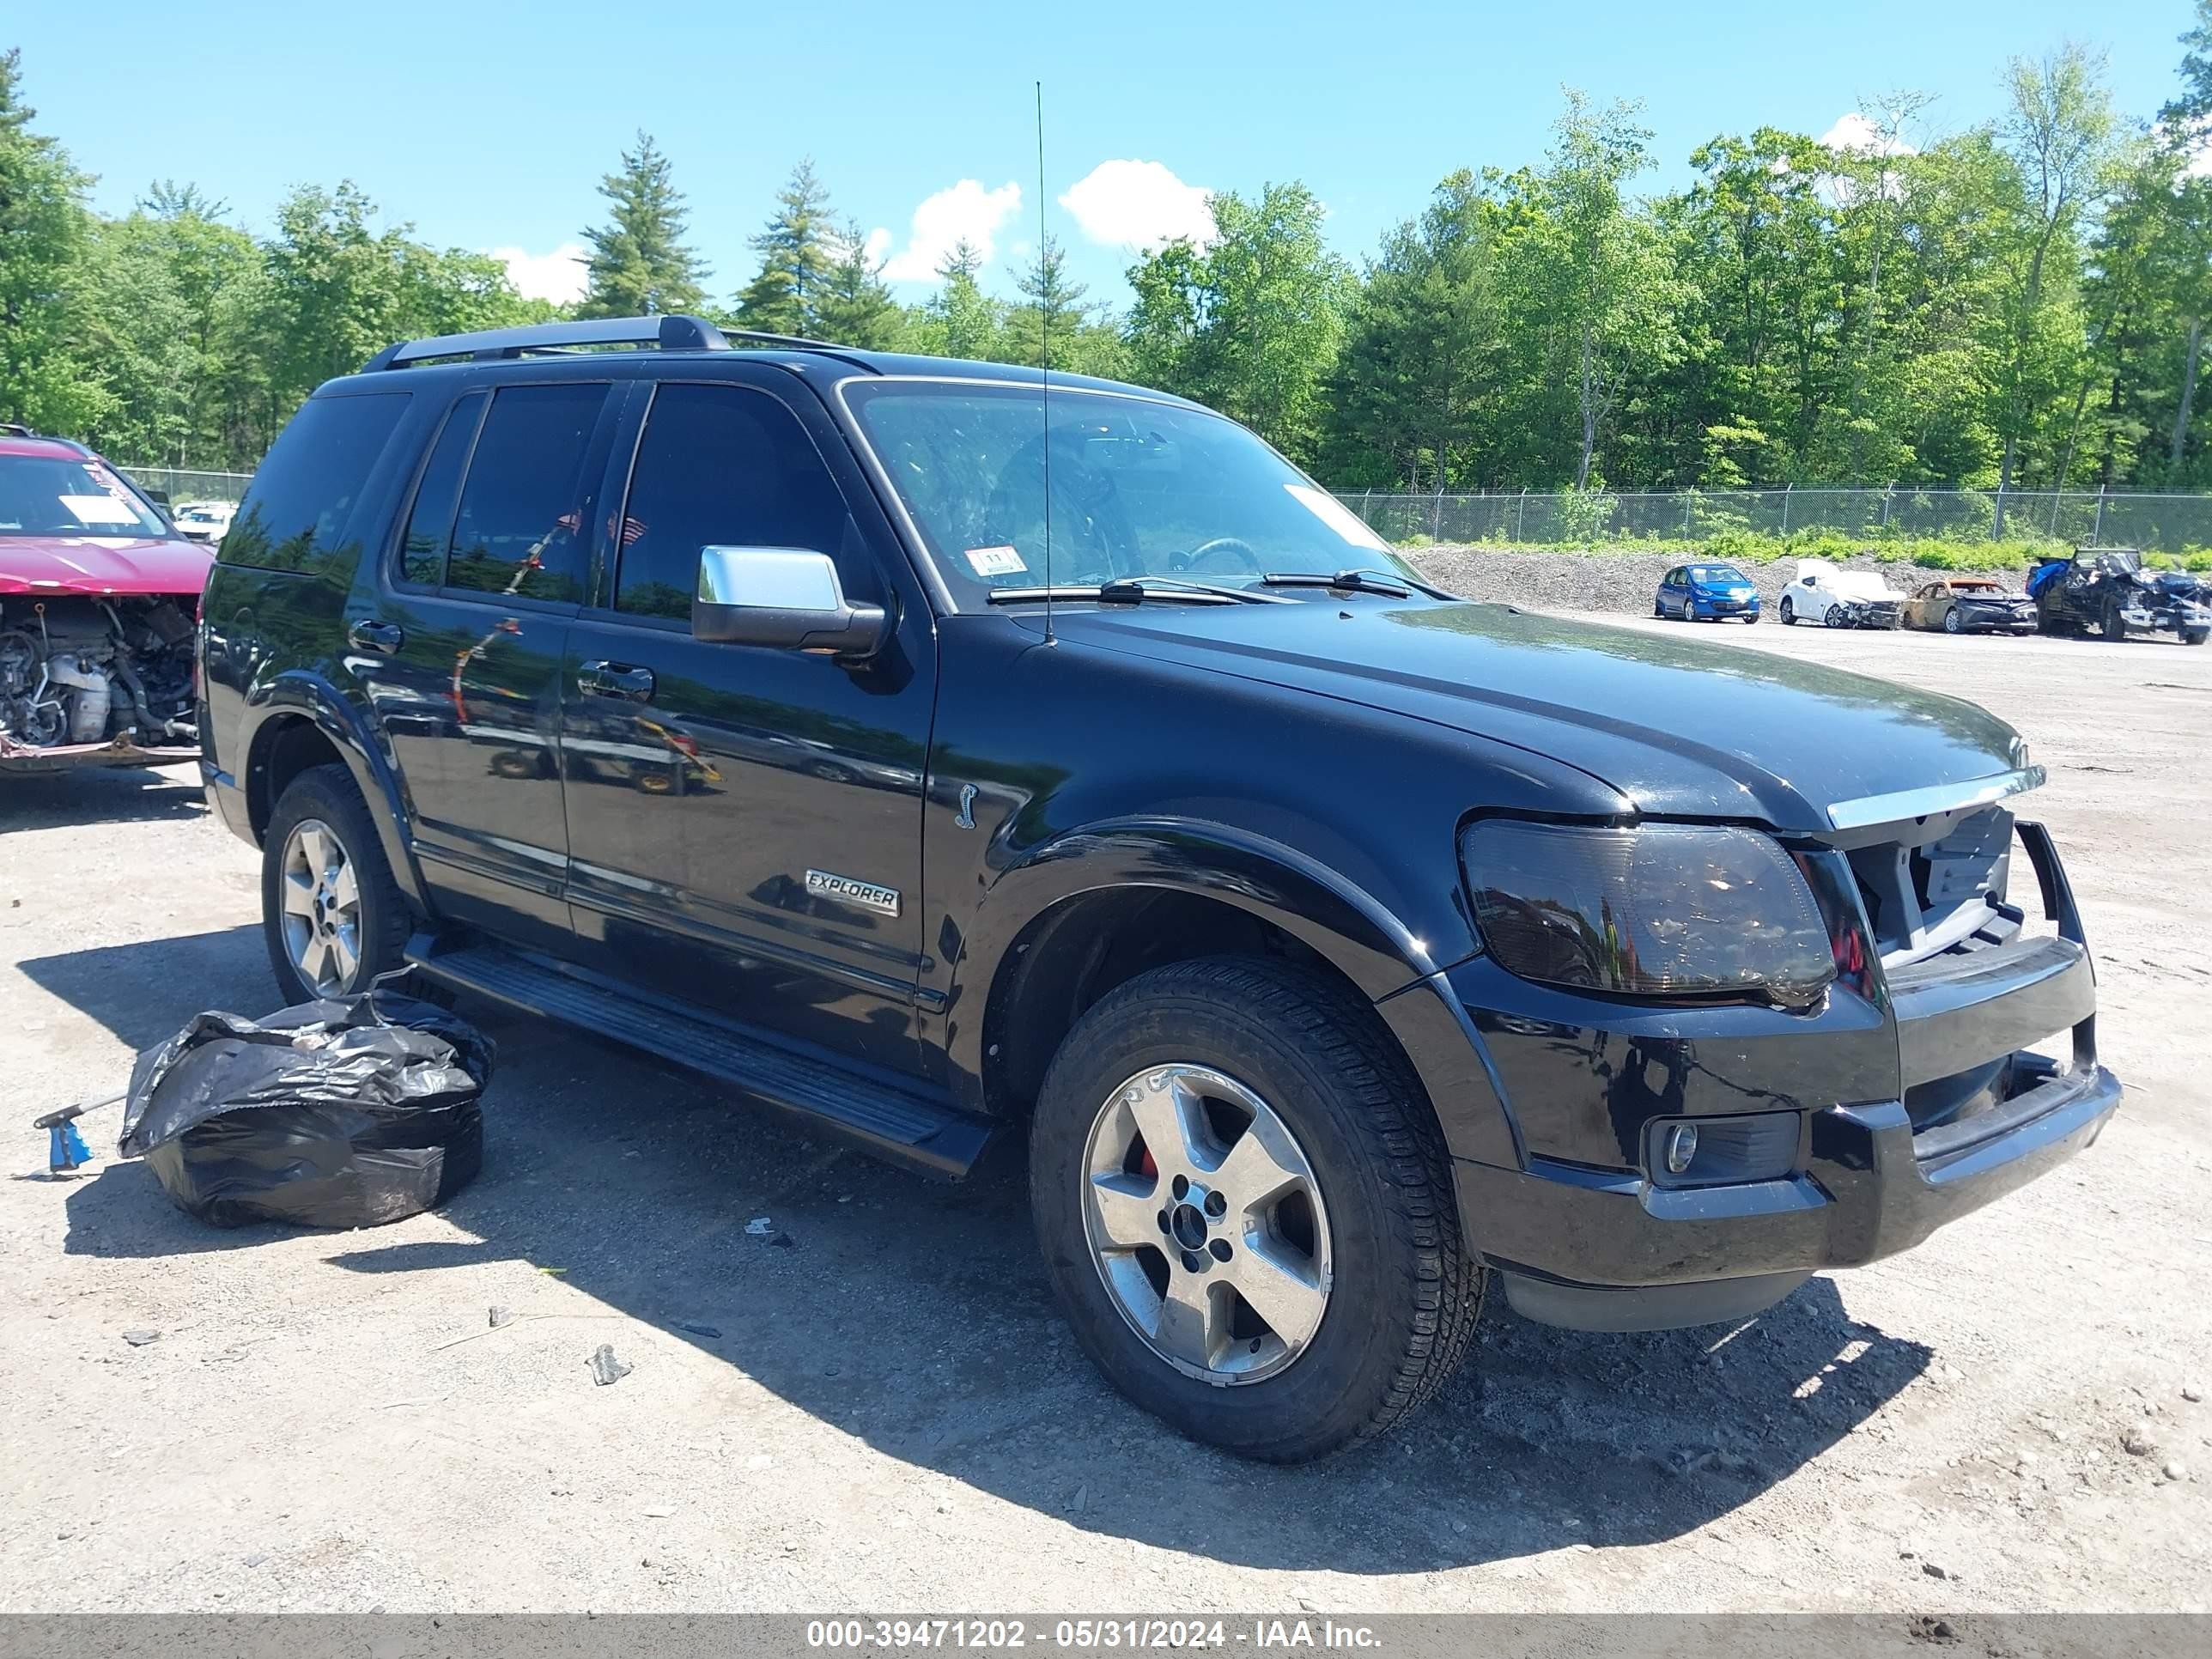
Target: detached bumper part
[{"x": 1614, "y": 1249}]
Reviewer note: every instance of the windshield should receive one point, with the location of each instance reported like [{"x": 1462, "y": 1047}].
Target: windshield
[
  {"x": 1717, "y": 573},
  {"x": 1139, "y": 489},
  {"x": 63, "y": 495}
]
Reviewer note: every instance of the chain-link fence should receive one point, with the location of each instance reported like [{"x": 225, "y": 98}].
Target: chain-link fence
[
  {"x": 2141, "y": 518},
  {"x": 181, "y": 484}
]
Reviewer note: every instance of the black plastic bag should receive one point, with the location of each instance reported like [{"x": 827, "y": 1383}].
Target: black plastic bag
[{"x": 344, "y": 1113}]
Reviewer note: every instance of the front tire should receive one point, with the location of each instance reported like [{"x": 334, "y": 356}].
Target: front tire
[
  {"x": 1308, "y": 1286},
  {"x": 330, "y": 913},
  {"x": 1951, "y": 623}
]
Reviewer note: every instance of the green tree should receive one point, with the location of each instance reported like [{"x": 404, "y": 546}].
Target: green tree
[
  {"x": 1425, "y": 366},
  {"x": 1597, "y": 280},
  {"x": 44, "y": 231},
  {"x": 798, "y": 251},
  {"x": 2058, "y": 135},
  {"x": 962, "y": 320},
  {"x": 1054, "y": 308},
  {"x": 855, "y": 308},
  {"x": 639, "y": 263},
  {"x": 1252, "y": 325}
]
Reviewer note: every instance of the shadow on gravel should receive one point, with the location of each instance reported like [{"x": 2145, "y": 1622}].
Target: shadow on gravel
[
  {"x": 99, "y": 795},
  {"x": 145, "y": 992},
  {"x": 915, "y": 1317}
]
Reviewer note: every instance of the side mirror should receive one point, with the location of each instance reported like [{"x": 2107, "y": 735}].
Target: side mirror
[{"x": 782, "y": 596}]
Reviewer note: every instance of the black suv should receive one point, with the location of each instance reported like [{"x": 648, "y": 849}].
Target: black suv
[{"x": 920, "y": 750}]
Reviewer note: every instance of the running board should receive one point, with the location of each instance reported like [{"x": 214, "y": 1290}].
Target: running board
[{"x": 816, "y": 1096}]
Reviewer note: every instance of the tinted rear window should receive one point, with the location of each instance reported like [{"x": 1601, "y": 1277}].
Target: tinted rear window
[
  {"x": 295, "y": 513},
  {"x": 523, "y": 518},
  {"x": 422, "y": 548}
]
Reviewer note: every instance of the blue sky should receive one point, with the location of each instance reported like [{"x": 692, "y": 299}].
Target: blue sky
[{"x": 489, "y": 127}]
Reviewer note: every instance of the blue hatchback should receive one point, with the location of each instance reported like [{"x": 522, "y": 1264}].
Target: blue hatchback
[{"x": 1707, "y": 592}]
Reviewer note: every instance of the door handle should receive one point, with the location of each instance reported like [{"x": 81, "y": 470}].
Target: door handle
[
  {"x": 382, "y": 637},
  {"x": 615, "y": 679}
]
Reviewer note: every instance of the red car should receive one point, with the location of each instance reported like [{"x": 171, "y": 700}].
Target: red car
[{"x": 99, "y": 596}]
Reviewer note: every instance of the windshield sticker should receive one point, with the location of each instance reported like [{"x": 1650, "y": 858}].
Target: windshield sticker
[
  {"x": 98, "y": 509},
  {"x": 995, "y": 561},
  {"x": 1338, "y": 517}
]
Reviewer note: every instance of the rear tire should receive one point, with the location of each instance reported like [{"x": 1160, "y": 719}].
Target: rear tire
[
  {"x": 1400, "y": 1292},
  {"x": 1789, "y": 612},
  {"x": 2196, "y": 636},
  {"x": 320, "y": 809},
  {"x": 2115, "y": 625}
]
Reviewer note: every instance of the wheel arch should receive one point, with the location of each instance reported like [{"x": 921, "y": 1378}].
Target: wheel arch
[
  {"x": 299, "y": 720},
  {"x": 1090, "y": 909}
]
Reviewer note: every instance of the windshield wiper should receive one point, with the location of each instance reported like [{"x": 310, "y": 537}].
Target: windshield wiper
[
  {"x": 1124, "y": 591},
  {"x": 1387, "y": 583}
]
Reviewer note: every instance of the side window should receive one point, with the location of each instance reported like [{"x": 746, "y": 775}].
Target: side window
[
  {"x": 726, "y": 465},
  {"x": 295, "y": 514},
  {"x": 1674, "y": 577},
  {"x": 520, "y": 529},
  {"x": 430, "y": 520}
]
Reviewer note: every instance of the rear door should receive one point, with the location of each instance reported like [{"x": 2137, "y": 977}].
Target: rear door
[
  {"x": 707, "y": 781},
  {"x": 462, "y": 655}
]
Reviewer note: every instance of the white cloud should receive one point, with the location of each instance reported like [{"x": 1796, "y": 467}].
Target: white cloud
[
  {"x": 1138, "y": 205},
  {"x": 965, "y": 211},
  {"x": 558, "y": 275},
  {"x": 1853, "y": 134}
]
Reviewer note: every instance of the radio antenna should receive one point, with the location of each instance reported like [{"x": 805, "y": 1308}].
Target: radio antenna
[{"x": 1044, "y": 363}]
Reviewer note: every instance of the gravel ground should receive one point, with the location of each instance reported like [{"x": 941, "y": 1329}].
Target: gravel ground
[
  {"x": 875, "y": 1405},
  {"x": 1625, "y": 582}
]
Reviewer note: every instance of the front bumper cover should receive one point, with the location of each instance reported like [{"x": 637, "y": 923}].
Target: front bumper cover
[{"x": 1607, "y": 1248}]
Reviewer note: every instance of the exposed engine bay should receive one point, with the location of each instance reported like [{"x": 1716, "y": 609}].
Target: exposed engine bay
[{"x": 81, "y": 671}]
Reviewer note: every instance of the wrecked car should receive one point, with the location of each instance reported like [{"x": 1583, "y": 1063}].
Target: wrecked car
[
  {"x": 2108, "y": 589},
  {"x": 1970, "y": 604},
  {"x": 1838, "y": 598},
  {"x": 98, "y": 599}
]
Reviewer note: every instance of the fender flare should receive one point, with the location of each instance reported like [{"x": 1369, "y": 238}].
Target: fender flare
[
  {"x": 1345, "y": 925},
  {"x": 300, "y": 694}
]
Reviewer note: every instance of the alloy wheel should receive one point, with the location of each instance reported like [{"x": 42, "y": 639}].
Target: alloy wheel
[
  {"x": 322, "y": 908},
  {"x": 1206, "y": 1224}
]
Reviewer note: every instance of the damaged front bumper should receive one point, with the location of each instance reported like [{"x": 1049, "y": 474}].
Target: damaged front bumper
[
  {"x": 124, "y": 751},
  {"x": 1978, "y": 1115}
]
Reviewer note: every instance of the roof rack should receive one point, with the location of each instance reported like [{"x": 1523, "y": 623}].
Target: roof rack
[
  {"x": 669, "y": 332},
  {"x": 16, "y": 429}
]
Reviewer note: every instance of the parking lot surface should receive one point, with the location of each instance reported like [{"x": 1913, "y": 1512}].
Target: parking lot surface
[{"x": 870, "y": 1402}]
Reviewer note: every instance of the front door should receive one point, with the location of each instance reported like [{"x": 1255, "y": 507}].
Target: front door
[
  {"x": 462, "y": 660},
  {"x": 718, "y": 793}
]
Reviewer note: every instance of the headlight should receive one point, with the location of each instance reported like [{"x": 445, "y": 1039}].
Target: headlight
[{"x": 1670, "y": 910}]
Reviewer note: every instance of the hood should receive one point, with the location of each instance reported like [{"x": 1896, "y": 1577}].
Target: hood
[
  {"x": 1863, "y": 586},
  {"x": 1676, "y": 726},
  {"x": 101, "y": 565}
]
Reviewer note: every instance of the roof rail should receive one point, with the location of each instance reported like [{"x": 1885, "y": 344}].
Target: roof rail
[
  {"x": 16, "y": 429},
  {"x": 669, "y": 333}
]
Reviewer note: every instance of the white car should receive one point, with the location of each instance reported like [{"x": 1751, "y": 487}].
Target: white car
[
  {"x": 1838, "y": 598},
  {"x": 204, "y": 521}
]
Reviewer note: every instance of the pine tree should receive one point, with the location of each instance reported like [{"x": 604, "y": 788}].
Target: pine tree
[
  {"x": 856, "y": 308},
  {"x": 639, "y": 263},
  {"x": 799, "y": 250},
  {"x": 963, "y": 320},
  {"x": 1054, "y": 312}
]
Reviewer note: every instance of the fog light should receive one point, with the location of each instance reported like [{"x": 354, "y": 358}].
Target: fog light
[
  {"x": 1682, "y": 1148},
  {"x": 1713, "y": 1152}
]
